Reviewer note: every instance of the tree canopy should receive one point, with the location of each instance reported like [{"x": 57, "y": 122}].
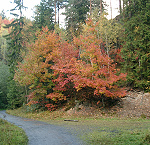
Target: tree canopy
[{"x": 91, "y": 60}]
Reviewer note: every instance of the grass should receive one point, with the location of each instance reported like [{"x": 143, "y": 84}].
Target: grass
[
  {"x": 122, "y": 135},
  {"x": 11, "y": 134},
  {"x": 99, "y": 130}
]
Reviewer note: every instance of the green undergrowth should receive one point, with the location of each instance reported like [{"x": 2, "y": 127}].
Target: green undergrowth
[
  {"x": 96, "y": 131},
  {"x": 11, "y": 134}
]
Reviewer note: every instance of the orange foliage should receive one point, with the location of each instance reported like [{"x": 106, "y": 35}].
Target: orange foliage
[
  {"x": 4, "y": 23},
  {"x": 34, "y": 70},
  {"x": 53, "y": 67},
  {"x": 93, "y": 69}
]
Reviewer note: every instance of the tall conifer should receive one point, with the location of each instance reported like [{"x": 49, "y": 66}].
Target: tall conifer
[
  {"x": 44, "y": 15},
  {"x": 15, "y": 47},
  {"x": 136, "y": 48},
  {"x": 15, "y": 37}
]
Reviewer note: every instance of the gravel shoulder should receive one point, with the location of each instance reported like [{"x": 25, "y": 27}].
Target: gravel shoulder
[{"x": 41, "y": 133}]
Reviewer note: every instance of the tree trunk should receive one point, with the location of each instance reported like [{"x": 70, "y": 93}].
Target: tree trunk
[
  {"x": 58, "y": 14},
  {"x": 26, "y": 93},
  {"x": 55, "y": 11},
  {"x": 111, "y": 9},
  {"x": 107, "y": 49},
  {"x": 123, "y": 4},
  {"x": 130, "y": 14},
  {"x": 21, "y": 2},
  {"x": 103, "y": 102},
  {"x": 120, "y": 10},
  {"x": 90, "y": 8},
  {"x": 101, "y": 9}
]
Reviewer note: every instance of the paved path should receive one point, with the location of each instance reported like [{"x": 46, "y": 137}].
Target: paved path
[{"x": 41, "y": 133}]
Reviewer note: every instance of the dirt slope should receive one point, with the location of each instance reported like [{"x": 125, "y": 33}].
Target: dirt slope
[{"x": 136, "y": 104}]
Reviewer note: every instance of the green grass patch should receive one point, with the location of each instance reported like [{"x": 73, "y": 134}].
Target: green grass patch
[
  {"x": 99, "y": 130},
  {"x": 112, "y": 131},
  {"x": 117, "y": 137},
  {"x": 11, "y": 134}
]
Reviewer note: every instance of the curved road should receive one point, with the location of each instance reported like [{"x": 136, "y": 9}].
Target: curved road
[{"x": 41, "y": 133}]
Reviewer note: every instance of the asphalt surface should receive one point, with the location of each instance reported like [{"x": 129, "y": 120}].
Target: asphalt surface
[{"x": 41, "y": 133}]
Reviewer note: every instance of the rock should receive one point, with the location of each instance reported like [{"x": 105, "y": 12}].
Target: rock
[{"x": 147, "y": 95}]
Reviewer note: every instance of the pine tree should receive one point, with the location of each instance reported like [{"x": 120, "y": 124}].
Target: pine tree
[
  {"x": 4, "y": 75},
  {"x": 44, "y": 15},
  {"x": 15, "y": 47},
  {"x": 136, "y": 48},
  {"x": 2, "y": 14},
  {"x": 77, "y": 11},
  {"x": 15, "y": 37}
]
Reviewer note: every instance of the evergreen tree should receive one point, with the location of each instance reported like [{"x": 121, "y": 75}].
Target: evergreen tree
[
  {"x": 4, "y": 74},
  {"x": 15, "y": 95},
  {"x": 97, "y": 4},
  {"x": 136, "y": 48},
  {"x": 15, "y": 37},
  {"x": 15, "y": 47},
  {"x": 44, "y": 15},
  {"x": 2, "y": 14},
  {"x": 77, "y": 12}
]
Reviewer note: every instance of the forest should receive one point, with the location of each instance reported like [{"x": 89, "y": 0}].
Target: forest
[{"x": 92, "y": 59}]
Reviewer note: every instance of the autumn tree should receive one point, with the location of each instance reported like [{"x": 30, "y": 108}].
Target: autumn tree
[
  {"x": 83, "y": 68},
  {"x": 3, "y": 41},
  {"x": 56, "y": 71},
  {"x": 35, "y": 71},
  {"x": 110, "y": 32}
]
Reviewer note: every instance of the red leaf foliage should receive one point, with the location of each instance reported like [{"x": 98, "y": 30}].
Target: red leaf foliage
[
  {"x": 56, "y": 66},
  {"x": 84, "y": 65}
]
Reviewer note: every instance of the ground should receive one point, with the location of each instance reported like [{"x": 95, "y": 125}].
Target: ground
[
  {"x": 134, "y": 105},
  {"x": 101, "y": 126}
]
